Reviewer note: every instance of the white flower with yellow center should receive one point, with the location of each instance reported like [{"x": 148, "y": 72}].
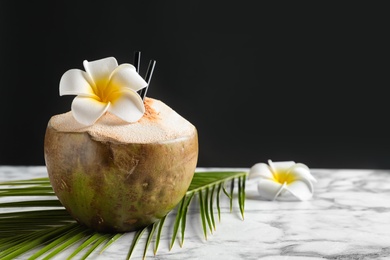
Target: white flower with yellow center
[
  {"x": 283, "y": 180},
  {"x": 104, "y": 87}
]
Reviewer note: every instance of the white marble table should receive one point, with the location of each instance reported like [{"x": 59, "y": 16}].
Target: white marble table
[{"x": 348, "y": 218}]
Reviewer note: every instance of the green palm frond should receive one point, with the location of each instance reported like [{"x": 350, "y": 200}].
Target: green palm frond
[{"x": 45, "y": 232}]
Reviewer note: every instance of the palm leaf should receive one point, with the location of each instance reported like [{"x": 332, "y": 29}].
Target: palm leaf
[
  {"x": 50, "y": 230},
  {"x": 138, "y": 234},
  {"x": 188, "y": 200},
  {"x": 160, "y": 226},
  {"x": 152, "y": 229}
]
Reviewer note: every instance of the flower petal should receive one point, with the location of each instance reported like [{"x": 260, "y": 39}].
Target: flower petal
[
  {"x": 76, "y": 82},
  {"x": 301, "y": 171},
  {"x": 278, "y": 167},
  {"x": 297, "y": 190},
  {"x": 129, "y": 106},
  {"x": 269, "y": 189},
  {"x": 260, "y": 170},
  {"x": 100, "y": 70},
  {"x": 88, "y": 110},
  {"x": 126, "y": 75}
]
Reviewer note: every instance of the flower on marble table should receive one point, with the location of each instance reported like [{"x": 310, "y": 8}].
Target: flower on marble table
[
  {"x": 104, "y": 87},
  {"x": 284, "y": 180}
]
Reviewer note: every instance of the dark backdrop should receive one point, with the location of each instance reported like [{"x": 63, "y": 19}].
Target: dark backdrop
[{"x": 287, "y": 81}]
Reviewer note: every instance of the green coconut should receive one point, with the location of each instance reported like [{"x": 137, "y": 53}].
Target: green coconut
[{"x": 115, "y": 176}]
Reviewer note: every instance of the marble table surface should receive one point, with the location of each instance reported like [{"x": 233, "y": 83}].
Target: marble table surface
[{"x": 347, "y": 218}]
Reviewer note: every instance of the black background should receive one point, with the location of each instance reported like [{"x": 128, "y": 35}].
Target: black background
[{"x": 288, "y": 81}]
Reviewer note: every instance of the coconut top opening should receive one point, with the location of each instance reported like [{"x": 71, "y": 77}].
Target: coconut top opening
[{"x": 159, "y": 123}]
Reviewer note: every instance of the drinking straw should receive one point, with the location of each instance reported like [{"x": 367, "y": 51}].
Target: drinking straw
[
  {"x": 137, "y": 60},
  {"x": 148, "y": 77}
]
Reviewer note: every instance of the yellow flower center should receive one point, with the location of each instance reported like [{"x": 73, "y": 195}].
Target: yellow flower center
[
  {"x": 106, "y": 92},
  {"x": 283, "y": 177}
]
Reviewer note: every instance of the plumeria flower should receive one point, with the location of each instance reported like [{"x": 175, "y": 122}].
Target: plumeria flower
[
  {"x": 104, "y": 87},
  {"x": 283, "y": 180}
]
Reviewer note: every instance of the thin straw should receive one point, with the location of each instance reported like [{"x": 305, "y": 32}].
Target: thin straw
[
  {"x": 137, "y": 60},
  {"x": 148, "y": 77}
]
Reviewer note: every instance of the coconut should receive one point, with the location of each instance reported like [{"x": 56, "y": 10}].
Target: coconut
[{"x": 115, "y": 176}]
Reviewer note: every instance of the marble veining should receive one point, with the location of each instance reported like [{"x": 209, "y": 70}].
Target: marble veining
[{"x": 347, "y": 218}]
